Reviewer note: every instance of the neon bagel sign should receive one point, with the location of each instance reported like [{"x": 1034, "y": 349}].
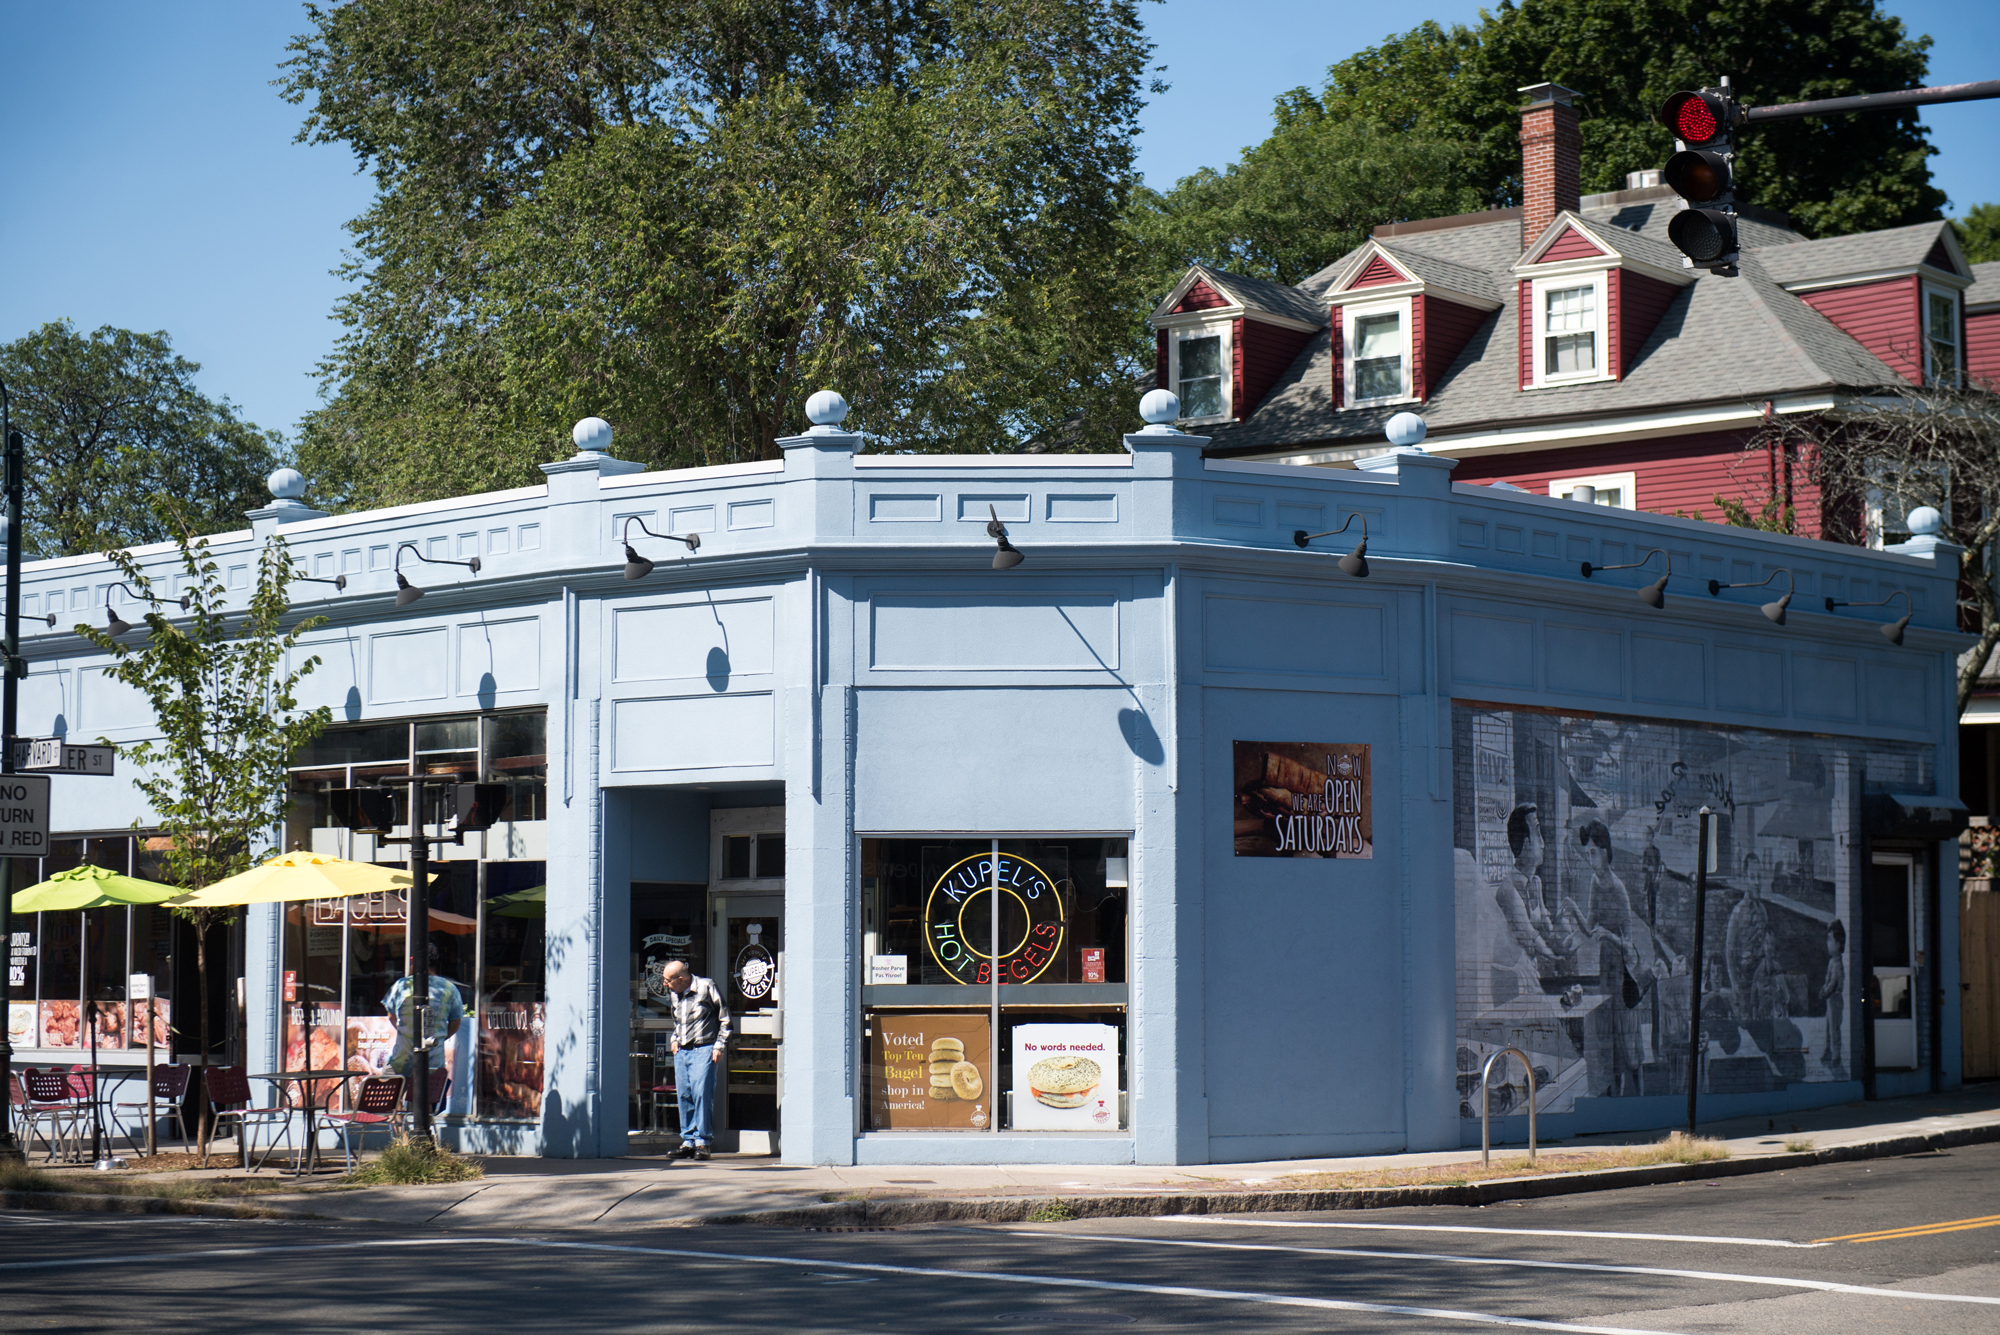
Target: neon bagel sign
[{"x": 958, "y": 901}]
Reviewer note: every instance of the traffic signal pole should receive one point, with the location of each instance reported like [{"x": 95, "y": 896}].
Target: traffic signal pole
[
  {"x": 1896, "y": 101},
  {"x": 10, "y": 665}
]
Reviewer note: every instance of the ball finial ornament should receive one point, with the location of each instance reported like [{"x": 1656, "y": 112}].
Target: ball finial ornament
[
  {"x": 826, "y": 408},
  {"x": 287, "y": 484},
  {"x": 1406, "y": 429},
  {"x": 592, "y": 435},
  {"x": 1925, "y": 521},
  {"x": 1160, "y": 407}
]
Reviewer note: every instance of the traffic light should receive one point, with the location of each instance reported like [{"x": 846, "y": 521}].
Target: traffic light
[
  {"x": 363, "y": 810},
  {"x": 476, "y": 806},
  {"x": 1701, "y": 172}
]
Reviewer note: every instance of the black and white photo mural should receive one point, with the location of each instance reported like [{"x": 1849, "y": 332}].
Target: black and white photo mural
[{"x": 1574, "y": 857}]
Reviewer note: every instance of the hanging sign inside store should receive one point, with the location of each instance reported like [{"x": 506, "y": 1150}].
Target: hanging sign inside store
[
  {"x": 24, "y": 814},
  {"x": 931, "y": 1071},
  {"x": 1065, "y": 1077},
  {"x": 1302, "y": 800},
  {"x": 958, "y": 920},
  {"x": 756, "y": 966}
]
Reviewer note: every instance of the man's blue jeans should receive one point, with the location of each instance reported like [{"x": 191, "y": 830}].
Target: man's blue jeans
[{"x": 694, "y": 1084}]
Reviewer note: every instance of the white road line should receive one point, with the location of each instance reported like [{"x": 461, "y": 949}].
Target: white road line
[
  {"x": 867, "y": 1267},
  {"x": 1721, "y": 1276},
  {"x": 1238, "y": 1222}
]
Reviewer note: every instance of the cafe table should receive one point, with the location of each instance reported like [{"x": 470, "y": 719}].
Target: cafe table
[{"x": 306, "y": 1081}]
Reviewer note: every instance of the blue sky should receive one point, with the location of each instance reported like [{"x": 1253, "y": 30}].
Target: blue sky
[{"x": 151, "y": 180}]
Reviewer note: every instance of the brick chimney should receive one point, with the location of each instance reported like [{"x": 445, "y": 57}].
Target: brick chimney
[{"x": 1551, "y": 158}]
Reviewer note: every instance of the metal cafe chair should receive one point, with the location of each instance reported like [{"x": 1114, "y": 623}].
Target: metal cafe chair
[
  {"x": 34, "y": 1118},
  {"x": 375, "y": 1109},
  {"x": 170, "y": 1084},
  {"x": 51, "y": 1100},
  {"x": 228, "y": 1090}
]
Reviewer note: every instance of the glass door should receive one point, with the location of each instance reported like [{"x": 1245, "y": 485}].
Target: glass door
[
  {"x": 747, "y": 962},
  {"x": 1891, "y": 934}
]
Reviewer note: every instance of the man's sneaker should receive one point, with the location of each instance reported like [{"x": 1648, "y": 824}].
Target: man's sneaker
[
  {"x": 701, "y": 1151},
  {"x": 685, "y": 1151}
]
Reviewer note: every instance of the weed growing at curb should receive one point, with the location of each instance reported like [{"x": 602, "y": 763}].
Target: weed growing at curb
[
  {"x": 1800, "y": 1145},
  {"x": 18, "y": 1176},
  {"x": 1055, "y": 1210},
  {"x": 415, "y": 1163},
  {"x": 1676, "y": 1148}
]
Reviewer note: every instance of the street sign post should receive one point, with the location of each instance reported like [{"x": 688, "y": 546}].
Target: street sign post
[
  {"x": 24, "y": 815},
  {"x": 53, "y": 755}
]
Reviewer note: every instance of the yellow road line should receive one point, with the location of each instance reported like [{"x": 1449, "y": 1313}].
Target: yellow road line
[{"x": 1919, "y": 1230}]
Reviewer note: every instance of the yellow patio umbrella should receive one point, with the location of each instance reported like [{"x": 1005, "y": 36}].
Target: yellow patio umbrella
[
  {"x": 89, "y": 888},
  {"x": 289, "y": 877}
]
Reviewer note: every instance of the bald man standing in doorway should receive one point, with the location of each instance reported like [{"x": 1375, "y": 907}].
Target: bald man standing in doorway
[{"x": 701, "y": 1037}]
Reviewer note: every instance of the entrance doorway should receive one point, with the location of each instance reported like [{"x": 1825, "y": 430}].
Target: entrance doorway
[
  {"x": 1892, "y": 934},
  {"x": 747, "y": 951}
]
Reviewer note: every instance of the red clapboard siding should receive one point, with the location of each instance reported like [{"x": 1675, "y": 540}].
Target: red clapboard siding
[
  {"x": 1236, "y": 369},
  {"x": 1940, "y": 258},
  {"x": 1201, "y": 297},
  {"x": 1264, "y": 353},
  {"x": 1982, "y": 347},
  {"x": 1881, "y": 317},
  {"x": 1339, "y": 353},
  {"x": 1443, "y": 328},
  {"x": 1683, "y": 473},
  {"x": 1637, "y": 305},
  {"x": 1160, "y": 361},
  {"x": 1378, "y": 272},
  {"x": 1571, "y": 245},
  {"x": 1527, "y": 338}
]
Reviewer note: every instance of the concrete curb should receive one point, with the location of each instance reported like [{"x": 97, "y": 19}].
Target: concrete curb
[
  {"x": 86, "y": 1202},
  {"x": 1021, "y": 1209}
]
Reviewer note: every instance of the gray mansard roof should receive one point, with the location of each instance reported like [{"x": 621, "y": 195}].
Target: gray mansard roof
[{"x": 1744, "y": 338}]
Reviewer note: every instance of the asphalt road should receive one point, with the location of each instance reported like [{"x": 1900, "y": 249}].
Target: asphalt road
[{"x": 1794, "y": 1252}]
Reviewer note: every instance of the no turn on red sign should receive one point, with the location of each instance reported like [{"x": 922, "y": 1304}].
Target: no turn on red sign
[{"x": 24, "y": 814}]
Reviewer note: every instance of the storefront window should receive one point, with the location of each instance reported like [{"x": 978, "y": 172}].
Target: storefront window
[
  {"x": 511, "y": 996},
  {"x": 994, "y": 983}
]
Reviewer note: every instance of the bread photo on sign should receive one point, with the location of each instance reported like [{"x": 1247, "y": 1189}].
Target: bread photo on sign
[
  {"x": 1063, "y": 1082},
  {"x": 947, "y": 1056}
]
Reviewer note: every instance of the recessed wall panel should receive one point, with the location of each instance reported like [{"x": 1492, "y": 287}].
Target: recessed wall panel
[
  {"x": 717, "y": 640},
  {"x": 1824, "y": 687},
  {"x": 692, "y": 732},
  {"x": 1293, "y": 636},
  {"x": 407, "y": 665},
  {"x": 1585, "y": 661},
  {"x": 499, "y": 656},
  {"x": 1492, "y": 651},
  {"x": 965, "y": 632},
  {"x": 1750, "y": 680},
  {"x": 1669, "y": 671}
]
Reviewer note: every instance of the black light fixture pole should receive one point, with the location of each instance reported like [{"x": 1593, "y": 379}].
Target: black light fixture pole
[
  {"x": 339, "y": 582},
  {"x": 1892, "y": 631},
  {"x": 10, "y": 672},
  {"x": 116, "y": 625},
  {"x": 423, "y": 1020},
  {"x": 406, "y": 592},
  {"x": 1775, "y": 611},
  {"x": 1355, "y": 563},
  {"x": 637, "y": 566},
  {"x": 1694, "y": 971},
  {"x": 1654, "y": 594}
]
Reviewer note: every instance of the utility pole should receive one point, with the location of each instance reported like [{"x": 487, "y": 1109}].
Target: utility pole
[{"x": 11, "y": 668}]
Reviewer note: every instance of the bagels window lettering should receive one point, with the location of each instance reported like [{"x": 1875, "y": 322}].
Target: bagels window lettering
[{"x": 958, "y": 920}]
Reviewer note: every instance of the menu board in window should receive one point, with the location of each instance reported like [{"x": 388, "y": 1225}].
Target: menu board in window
[{"x": 932, "y": 1072}]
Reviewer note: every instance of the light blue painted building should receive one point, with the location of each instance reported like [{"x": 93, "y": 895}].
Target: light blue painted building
[{"x": 832, "y": 754}]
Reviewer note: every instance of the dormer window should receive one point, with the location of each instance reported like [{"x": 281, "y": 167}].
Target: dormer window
[
  {"x": 1199, "y": 370},
  {"x": 1570, "y": 339},
  {"x": 1377, "y": 353},
  {"x": 1940, "y": 337}
]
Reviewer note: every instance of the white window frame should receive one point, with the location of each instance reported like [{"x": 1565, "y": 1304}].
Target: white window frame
[
  {"x": 1350, "y": 315},
  {"x": 1627, "y": 485},
  {"x": 1931, "y": 376},
  {"x": 1538, "y": 293},
  {"x": 1225, "y": 328}
]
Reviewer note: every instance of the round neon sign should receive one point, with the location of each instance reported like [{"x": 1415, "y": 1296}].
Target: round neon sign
[{"x": 958, "y": 920}]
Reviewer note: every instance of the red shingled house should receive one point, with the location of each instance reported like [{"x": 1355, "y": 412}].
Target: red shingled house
[{"x": 1562, "y": 343}]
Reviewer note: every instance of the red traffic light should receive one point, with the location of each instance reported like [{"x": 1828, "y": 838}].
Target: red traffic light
[
  {"x": 1696, "y": 118},
  {"x": 1697, "y": 175}
]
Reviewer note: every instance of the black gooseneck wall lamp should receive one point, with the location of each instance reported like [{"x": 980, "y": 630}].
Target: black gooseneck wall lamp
[
  {"x": 1775, "y": 611},
  {"x": 116, "y": 625},
  {"x": 1654, "y": 594},
  {"x": 1892, "y": 631},
  {"x": 1006, "y": 556},
  {"x": 637, "y": 566},
  {"x": 1355, "y": 563},
  {"x": 406, "y": 592}
]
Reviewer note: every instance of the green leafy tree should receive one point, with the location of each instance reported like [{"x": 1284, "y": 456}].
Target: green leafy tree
[
  {"x": 112, "y": 419},
  {"x": 1979, "y": 233},
  {"x": 1624, "y": 57},
  {"x": 227, "y": 708},
  {"x": 686, "y": 217}
]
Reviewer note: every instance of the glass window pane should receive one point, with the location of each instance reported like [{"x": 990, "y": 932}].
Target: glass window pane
[
  {"x": 1378, "y": 336},
  {"x": 736, "y": 857},
  {"x": 1944, "y": 328},
  {"x": 358, "y": 746},
  {"x": 770, "y": 855},
  {"x": 1201, "y": 398},
  {"x": 1889, "y": 916},
  {"x": 1201, "y": 357},
  {"x": 517, "y": 755},
  {"x": 1572, "y": 309},
  {"x": 153, "y": 953},
  {"x": 451, "y": 734},
  {"x": 1570, "y": 354},
  {"x": 1381, "y": 378},
  {"x": 314, "y": 1028}
]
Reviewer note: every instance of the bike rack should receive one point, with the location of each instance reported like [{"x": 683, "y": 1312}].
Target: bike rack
[{"x": 1486, "y": 1104}]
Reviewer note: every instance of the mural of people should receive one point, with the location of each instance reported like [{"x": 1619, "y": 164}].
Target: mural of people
[{"x": 1575, "y": 840}]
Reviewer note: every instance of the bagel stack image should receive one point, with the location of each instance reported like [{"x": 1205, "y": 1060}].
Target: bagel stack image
[{"x": 946, "y": 1053}]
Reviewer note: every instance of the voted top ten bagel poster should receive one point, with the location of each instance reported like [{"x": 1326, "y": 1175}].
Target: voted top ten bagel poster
[{"x": 1302, "y": 800}]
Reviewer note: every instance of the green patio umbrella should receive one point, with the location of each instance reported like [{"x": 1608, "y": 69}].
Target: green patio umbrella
[
  {"x": 530, "y": 903},
  {"x": 89, "y": 888}
]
